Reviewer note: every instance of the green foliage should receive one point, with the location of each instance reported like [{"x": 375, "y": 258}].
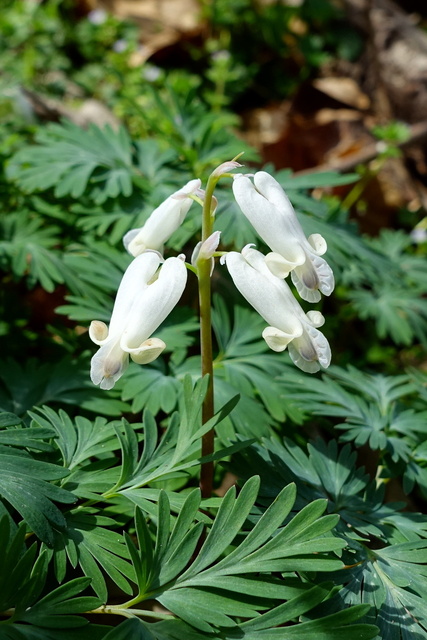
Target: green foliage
[
  {"x": 329, "y": 473},
  {"x": 178, "y": 448},
  {"x": 242, "y": 364},
  {"x": 29, "y": 249},
  {"x": 375, "y": 408},
  {"x": 392, "y": 581},
  {"x": 212, "y": 588},
  {"x": 392, "y": 578},
  {"x": 36, "y": 383},
  {"x": 21, "y": 587},
  {"x": 72, "y": 159},
  {"x": 25, "y": 486},
  {"x": 87, "y": 541},
  {"x": 394, "y": 297}
]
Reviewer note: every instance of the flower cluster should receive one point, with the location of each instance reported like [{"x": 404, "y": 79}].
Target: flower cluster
[
  {"x": 260, "y": 279},
  {"x": 152, "y": 286},
  {"x": 147, "y": 293}
]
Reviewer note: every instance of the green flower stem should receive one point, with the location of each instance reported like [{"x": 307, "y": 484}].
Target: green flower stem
[
  {"x": 119, "y": 610},
  {"x": 204, "y": 276},
  {"x": 369, "y": 172}
]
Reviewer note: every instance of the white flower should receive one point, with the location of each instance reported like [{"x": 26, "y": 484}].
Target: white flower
[
  {"x": 120, "y": 45},
  {"x": 274, "y": 301},
  {"x": 151, "y": 73},
  {"x": 270, "y": 212},
  {"x": 143, "y": 301},
  {"x": 162, "y": 223},
  {"x": 97, "y": 16}
]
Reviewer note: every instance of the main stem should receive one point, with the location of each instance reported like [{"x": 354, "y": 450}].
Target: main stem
[{"x": 204, "y": 275}]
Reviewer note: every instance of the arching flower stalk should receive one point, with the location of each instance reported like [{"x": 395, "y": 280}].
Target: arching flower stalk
[{"x": 147, "y": 293}]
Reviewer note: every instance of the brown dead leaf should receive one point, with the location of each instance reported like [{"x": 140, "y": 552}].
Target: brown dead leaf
[
  {"x": 307, "y": 132},
  {"x": 163, "y": 22},
  {"x": 345, "y": 90}
]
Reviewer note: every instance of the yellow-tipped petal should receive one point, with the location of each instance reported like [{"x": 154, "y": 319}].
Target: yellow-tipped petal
[
  {"x": 318, "y": 243},
  {"x": 280, "y": 266},
  {"x": 98, "y": 331},
  {"x": 278, "y": 340},
  {"x": 316, "y": 318},
  {"x": 148, "y": 351}
]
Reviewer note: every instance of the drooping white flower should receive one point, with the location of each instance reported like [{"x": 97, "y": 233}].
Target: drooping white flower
[
  {"x": 270, "y": 212},
  {"x": 272, "y": 298},
  {"x": 162, "y": 223},
  {"x": 144, "y": 299}
]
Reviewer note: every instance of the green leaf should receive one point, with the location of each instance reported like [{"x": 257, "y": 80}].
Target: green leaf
[
  {"x": 78, "y": 440},
  {"x": 132, "y": 628},
  {"x": 56, "y": 609},
  {"x": 31, "y": 249},
  {"x": 18, "y": 631},
  {"x": 393, "y": 580},
  {"x": 86, "y": 541},
  {"x": 150, "y": 388},
  {"x": 22, "y": 436},
  {"x": 369, "y": 404},
  {"x": 399, "y": 312},
  {"x": 314, "y": 180},
  {"x": 216, "y": 581},
  {"x": 179, "y": 447},
  {"x": 331, "y": 473},
  {"x": 72, "y": 159},
  {"x": 9, "y": 420},
  {"x": 17, "y": 564},
  {"x": 22, "y": 581},
  {"x": 66, "y": 381},
  {"x": 246, "y": 366},
  {"x": 24, "y": 484}
]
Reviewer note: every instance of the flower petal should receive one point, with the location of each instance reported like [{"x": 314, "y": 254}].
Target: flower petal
[
  {"x": 134, "y": 281},
  {"x": 148, "y": 351},
  {"x": 128, "y": 237},
  {"x": 143, "y": 301},
  {"x": 281, "y": 266},
  {"x": 268, "y": 295},
  {"x": 313, "y": 276},
  {"x": 98, "y": 331},
  {"x": 278, "y": 340},
  {"x": 225, "y": 167},
  {"x": 310, "y": 351},
  {"x": 154, "y": 303},
  {"x": 108, "y": 364},
  {"x": 316, "y": 318},
  {"x": 162, "y": 222},
  {"x": 318, "y": 243},
  {"x": 273, "y": 299},
  {"x": 262, "y": 214},
  {"x": 210, "y": 245},
  {"x": 270, "y": 212}
]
